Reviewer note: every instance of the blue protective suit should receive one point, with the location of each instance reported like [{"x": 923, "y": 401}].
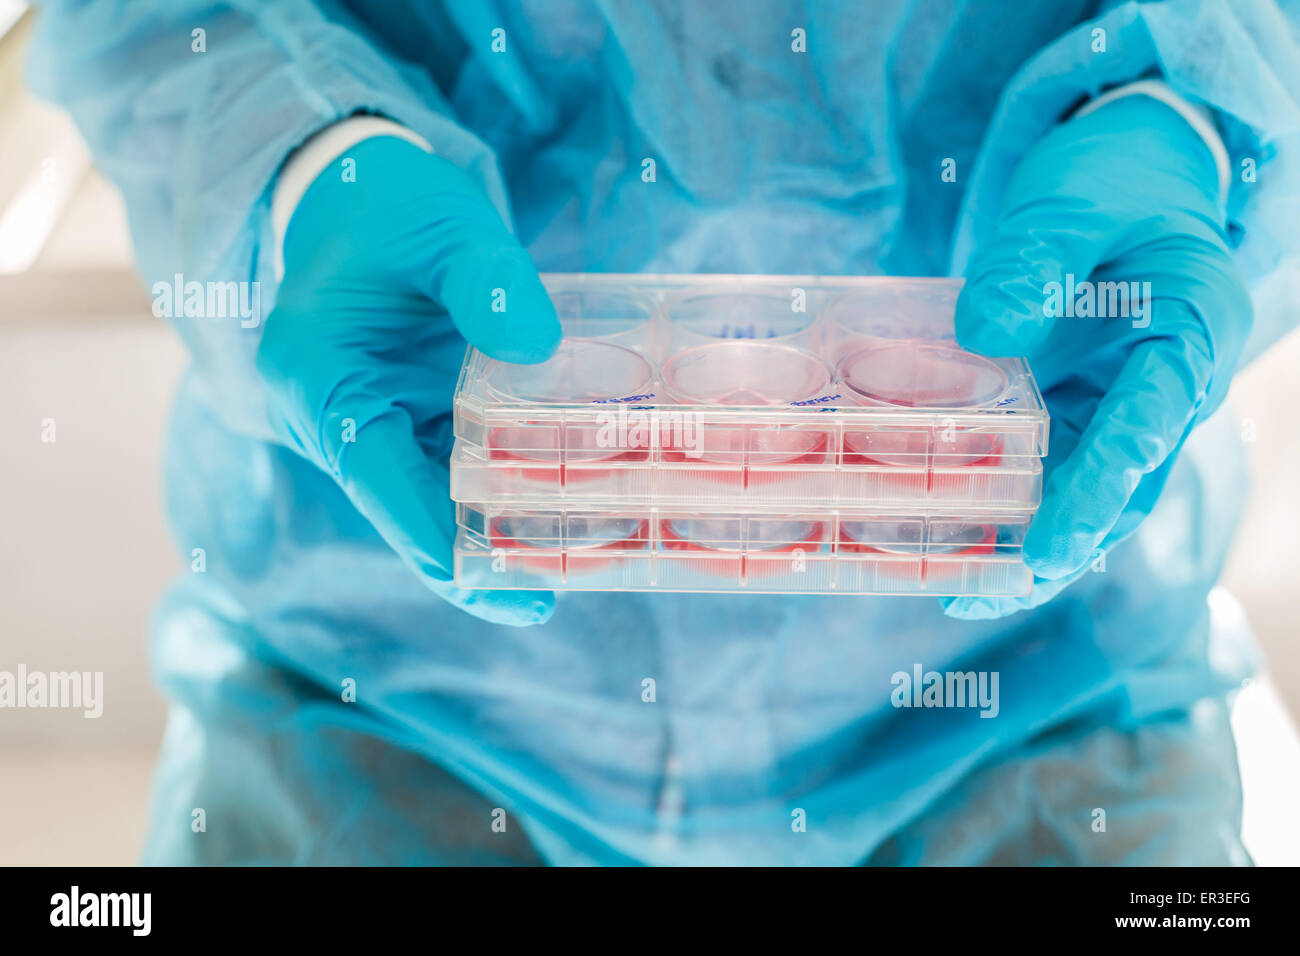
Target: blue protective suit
[{"x": 771, "y": 737}]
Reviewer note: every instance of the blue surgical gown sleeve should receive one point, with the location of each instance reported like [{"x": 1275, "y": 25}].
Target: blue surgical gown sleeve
[
  {"x": 191, "y": 107},
  {"x": 1241, "y": 59}
]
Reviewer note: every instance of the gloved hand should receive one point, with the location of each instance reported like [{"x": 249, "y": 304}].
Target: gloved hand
[
  {"x": 362, "y": 351},
  {"x": 1129, "y": 194}
]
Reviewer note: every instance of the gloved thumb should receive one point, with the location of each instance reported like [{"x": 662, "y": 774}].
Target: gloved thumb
[
  {"x": 475, "y": 268},
  {"x": 1005, "y": 307},
  {"x": 494, "y": 295}
]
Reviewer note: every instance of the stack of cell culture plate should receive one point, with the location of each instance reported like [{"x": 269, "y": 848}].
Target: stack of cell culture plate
[{"x": 749, "y": 433}]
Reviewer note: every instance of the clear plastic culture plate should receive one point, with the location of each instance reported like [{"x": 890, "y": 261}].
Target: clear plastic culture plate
[
  {"x": 677, "y": 550},
  {"x": 753, "y": 392}
]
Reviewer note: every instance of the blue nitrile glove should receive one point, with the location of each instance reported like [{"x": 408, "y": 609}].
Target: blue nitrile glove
[
  {"x": 383, "y": 276},
  {"x": 1129, "y": 194}
]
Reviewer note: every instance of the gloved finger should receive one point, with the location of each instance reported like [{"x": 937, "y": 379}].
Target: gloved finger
[
  {"x": 404, "y": 494},
  {"x": 476, "y": 270},
  {"x": 447, "y": 243},
  {"x": 1074, "y": 399},
  {"x": 986, "y": 608},
  {"x": 1137, "y": 425},
  {"x": 1044, "y": 589},
  {"x": 1005, "y": 307}
]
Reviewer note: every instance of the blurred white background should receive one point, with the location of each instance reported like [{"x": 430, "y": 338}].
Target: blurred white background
[{"x": 84, "y": 553}]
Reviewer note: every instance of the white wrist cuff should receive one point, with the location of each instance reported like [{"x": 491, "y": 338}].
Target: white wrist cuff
[
  {"x": 311, "y": 158},
  {"x": 1198, "y": 117}
]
